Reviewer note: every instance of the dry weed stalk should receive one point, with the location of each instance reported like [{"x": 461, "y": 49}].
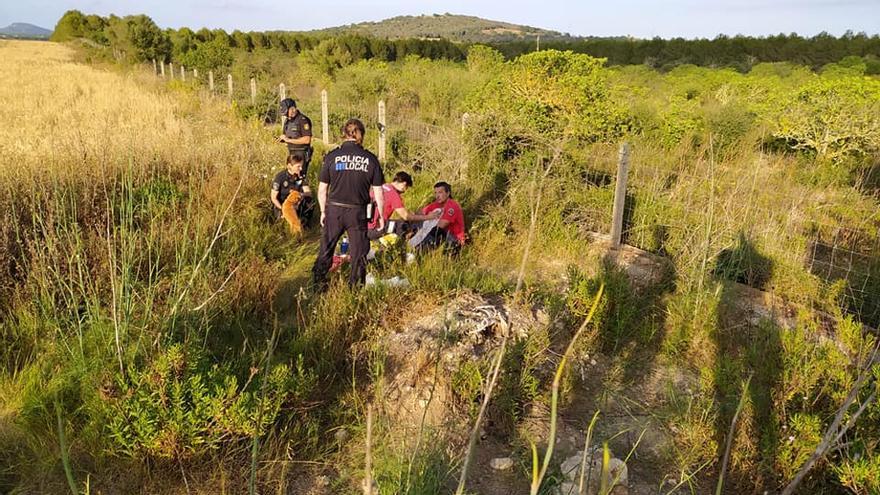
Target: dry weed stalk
[{"x": 554, "y": 401}]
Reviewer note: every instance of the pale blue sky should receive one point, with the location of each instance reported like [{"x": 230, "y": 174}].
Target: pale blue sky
[{"x": 640, "y": 18}]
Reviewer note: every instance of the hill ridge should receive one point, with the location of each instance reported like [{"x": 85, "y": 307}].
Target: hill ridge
[
  {"x": 455, "y": 27},
  {"x": 24, "y": 30}
]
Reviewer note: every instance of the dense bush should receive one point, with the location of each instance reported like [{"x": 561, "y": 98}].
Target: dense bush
[{"x": 179, "y": 405}]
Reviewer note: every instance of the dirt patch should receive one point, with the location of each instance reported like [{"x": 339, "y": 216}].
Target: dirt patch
[{"x": 425, "y": 353}]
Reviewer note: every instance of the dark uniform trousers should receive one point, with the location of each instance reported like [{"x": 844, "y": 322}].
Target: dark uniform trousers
[{"x": 339, "y": 219}]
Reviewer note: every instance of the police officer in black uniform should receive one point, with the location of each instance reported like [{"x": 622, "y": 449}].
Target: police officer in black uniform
[
  {"x": 297, "y": 131},
  {"x": 293, "y": 179},
  {"x": 347, "y": 175}
]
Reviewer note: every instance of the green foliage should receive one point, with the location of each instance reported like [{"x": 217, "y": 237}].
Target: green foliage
[
  {"x": 548, "y": 96},
  {"x": 366, "y": 79},
  {"x": 861, "y": 476},
  {"x": 833, "y": 116},
  {"x": 73, "y": 24},
  {"x": 738, "y": 52},
  {"x": 179, "y": 406},
  {"x": 805, "y": 432},
  {"x": 484, "y": 59},
  {"x": 210, "y": 55},
  {"x": 137, "y": 39}
]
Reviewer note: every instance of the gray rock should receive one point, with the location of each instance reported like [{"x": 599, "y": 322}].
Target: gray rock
[
  {"x": 568, "y": 488},
  {"x": 571, "y": 466},
  {"x": 501, "y": 463},
  {"x": 341, "y": 435}
]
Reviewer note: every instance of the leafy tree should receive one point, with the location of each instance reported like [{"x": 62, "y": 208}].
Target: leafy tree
[
  {"x": 222, "y": 37},
  {"x": 204, "y": 35},
  {"x": 208, "y": 56},
  {"x": 553, "y": 94},
  {"x": 71, "y": 25},
  {"x": 242, "y": 40},
  {"x": 833, "y": 116},
  {"x": 481, "y": 58},
  {"x": 137, "y": 38},
  {"x": 182, "y": 40}
]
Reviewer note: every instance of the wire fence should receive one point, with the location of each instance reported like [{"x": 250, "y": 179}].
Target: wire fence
[{"x": 755, "y": 228}]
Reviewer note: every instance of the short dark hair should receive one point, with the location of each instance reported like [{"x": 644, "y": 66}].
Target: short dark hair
[
  {"x": 352, "y": 128},
  {"x": 403, "y": 177},
  {"x": 285, "y": 105},
  {"x": 446, "y": 187},
  {"x": 296, "y": 157}
]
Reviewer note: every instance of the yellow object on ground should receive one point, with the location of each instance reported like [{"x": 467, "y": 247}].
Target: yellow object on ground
[{"x": 288, "y": 211}]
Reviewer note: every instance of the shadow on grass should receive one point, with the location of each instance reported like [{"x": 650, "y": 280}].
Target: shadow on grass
[{"x": 746, "y": 347}]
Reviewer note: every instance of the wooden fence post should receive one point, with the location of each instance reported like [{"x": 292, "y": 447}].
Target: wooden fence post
[
  {"x": 325, "y": 118},
  {"x": 282, "y": 94},
  {"x": 195, "y": 73},
  {"x": 155, "y": 68},
  {"x": 183, "y": 73},
  {"x": 253, "y": 91},
  {"x": 171, "y": 69},
  {"x": 162, "y": 69},
  {"x": 211, "y": 82},
  {"x": 619, "y": 196},
  {"x": 464, "y": 120},
  {"x": 229, "y": 85},
  {"x": 381, "y": 130}
]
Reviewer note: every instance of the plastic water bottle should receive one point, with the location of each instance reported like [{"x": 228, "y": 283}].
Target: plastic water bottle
[{"x": 343, "y": 248}]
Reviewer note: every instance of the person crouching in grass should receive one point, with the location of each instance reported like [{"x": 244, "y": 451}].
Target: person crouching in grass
[
  {"x": 395, "y": 214},
  {"x": 291, "y": 196}
]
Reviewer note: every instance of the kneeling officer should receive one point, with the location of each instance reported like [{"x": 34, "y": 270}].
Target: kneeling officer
[{"x": 347, "y": 175}]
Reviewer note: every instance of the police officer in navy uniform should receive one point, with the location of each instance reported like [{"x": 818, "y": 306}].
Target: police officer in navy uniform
[
  {"x": 292, "y": 179},
  {"x": 347, "y": 175},
  {"x": 297, "y": 131}
]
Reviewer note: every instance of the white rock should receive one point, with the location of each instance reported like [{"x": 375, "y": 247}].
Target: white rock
[{"x": 501, "y": 463}]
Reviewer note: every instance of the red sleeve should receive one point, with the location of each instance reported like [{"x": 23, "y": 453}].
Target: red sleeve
[
  {"x": 449, "y": 213},
  {"x": 396, "y": 202}
]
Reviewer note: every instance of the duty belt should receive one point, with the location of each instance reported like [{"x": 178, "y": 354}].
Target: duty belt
[{"x": 344, "y": 205}]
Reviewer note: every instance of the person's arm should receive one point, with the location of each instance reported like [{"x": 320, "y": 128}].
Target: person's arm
[
  {"x": 443, "y": 223},
  {"x": 274, "y": 198},
  {"x": 307, "y": 191},
  {"x": 379, "y": 198},
  {"x": 409, "y": 216},
  {"x": 299, "y": 140},
  {"x": 323, "y": 188}
]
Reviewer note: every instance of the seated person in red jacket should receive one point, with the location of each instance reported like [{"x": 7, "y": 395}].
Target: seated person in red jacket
[
  {"x": 450, "y": 226},
  {"x": 395, "y": 214}
]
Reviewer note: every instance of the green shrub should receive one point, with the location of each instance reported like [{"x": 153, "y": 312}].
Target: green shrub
[
  {"x": 178, "y": 406},
  {"x": 546, "y": 96},
  {"x": 833, "y": 116}
]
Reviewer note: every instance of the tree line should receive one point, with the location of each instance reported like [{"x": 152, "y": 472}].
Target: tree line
[
  {"x": 137, "y": 38},
  {"x": 741, "y": 52}
]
